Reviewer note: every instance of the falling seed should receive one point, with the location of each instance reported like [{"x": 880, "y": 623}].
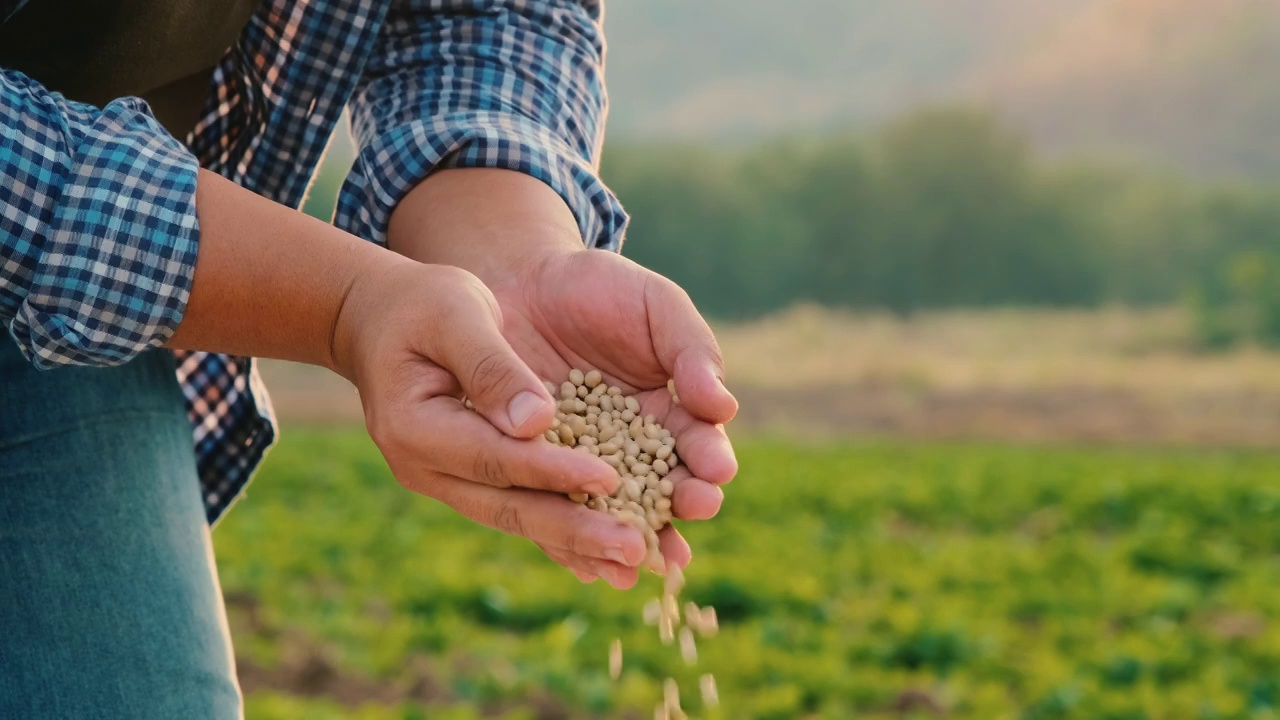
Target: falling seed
[
  {"x": 710, "y": 696},
  {"x": 688, "y": 648},
  {"x": 615, "y": 659}
]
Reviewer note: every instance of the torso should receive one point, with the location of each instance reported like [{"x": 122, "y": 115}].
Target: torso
[{"x": 95, "y": 51}]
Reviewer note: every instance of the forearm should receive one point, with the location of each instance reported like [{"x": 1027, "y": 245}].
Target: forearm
[
  {"x": 269, "y": 281},
  {"x": 483, "y": 220}
]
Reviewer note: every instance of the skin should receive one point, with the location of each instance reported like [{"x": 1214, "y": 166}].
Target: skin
[
  {"x": 489, "y": 291},
  {"x": 563, "y": 306}
]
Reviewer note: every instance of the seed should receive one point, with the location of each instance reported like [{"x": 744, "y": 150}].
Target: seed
[
  {"x": 660, "y": 467},
  {"x": 652, "y": 611},
  {"x": 650, "y": 445},
  {"x": 673, "y": 460},
  {"x": 688, "y": 648},
  {"x": 615, "y": 390},
  {"x": 552, "y": 437},
  {"x": 632, "y": 404},
  {"x": 710, "y": 697},
  {"x": 709, "y": 624},
  {"x": 666, "y": 631},
  {"x": 671, "y": 694},
  {"x": 625, "y": 415},
  {"x": 674, "y": 582},
  {"x": 671, "y": 388},
  {"x": 666, "y": 487},
  {"x": 653, "y": 432},
  {"x": 581, "y": 391},
  {"x": 654, "y": 561},
  {"x": 663, "y": 452},
  {"x": 692, "y": 615},
  {"x": 615, "y": 659},
  {"x": 566, "y": 434},
  {"x": 586, "y": 438},
  {"x": 579, "y": 406},
  {"x": 568, "y": 391},
  {"x": 568, "y": 405},
  {"x": 593, "y": 401},
  {"x": 592, "y": 378},
  {"x": 640, "y": 468},
  {"x": 614, "y": 460},
  {"x": 579, "y": 498},
  {"x": 662, "y": 504},
  {"x": 576, "y": 377}
]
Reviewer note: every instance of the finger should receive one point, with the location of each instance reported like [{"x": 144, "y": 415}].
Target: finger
[
  {"x": 694, "y": 498},
  {"x": 675, "y": 549},
  {"x": 688, "y": 351},
  {"x": 547, "y": 519},
  {"x": 588, "y": 570},
  {"x": 703, "y": 447},
  {"x": 466, "y": 338},
  {"x": 460, "y": 443},
  {"x": 573, "y": 563}
]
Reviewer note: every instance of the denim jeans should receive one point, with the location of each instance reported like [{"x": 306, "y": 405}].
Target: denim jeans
[{"x": 109, "y": 597}]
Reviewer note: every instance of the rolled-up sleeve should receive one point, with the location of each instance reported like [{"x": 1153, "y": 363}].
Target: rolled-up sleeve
[
  {"x": 98, "y": 228},
  {"x": 516, "y": 84}
]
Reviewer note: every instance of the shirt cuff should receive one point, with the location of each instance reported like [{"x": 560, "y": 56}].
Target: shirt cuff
[
  {"x": 396, "y": 161},
  {"x": 115, "y": 267}
]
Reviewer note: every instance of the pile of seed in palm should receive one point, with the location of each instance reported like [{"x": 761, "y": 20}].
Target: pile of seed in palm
[{"x": 597, "y": 418}]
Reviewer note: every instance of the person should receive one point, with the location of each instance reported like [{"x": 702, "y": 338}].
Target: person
[{"x": 472, "y": 253}]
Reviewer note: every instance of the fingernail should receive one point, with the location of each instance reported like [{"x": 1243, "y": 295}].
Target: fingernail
[
  {"x": 522, "y": 407},
  {"x": 615, "y": 554}
]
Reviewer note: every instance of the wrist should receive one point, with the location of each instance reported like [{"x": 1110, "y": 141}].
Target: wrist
[
  {"x": 368, "y": 279},
  {"x": 487, "y": 221}
]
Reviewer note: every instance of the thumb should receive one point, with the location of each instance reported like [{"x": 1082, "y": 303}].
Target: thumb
[{"x": 468, "y": 342}]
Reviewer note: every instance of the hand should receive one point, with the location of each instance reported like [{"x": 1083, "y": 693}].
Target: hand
[
  {"x": 566, "y": 307},
  {"x": 412, "y": 338},
  {"x": 415, "y": 337}
]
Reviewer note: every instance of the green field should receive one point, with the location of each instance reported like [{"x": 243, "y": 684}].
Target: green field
[{"x": 856, "y": 580}]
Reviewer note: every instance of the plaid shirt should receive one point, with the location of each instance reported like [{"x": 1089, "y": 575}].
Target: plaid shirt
[{"x": 98, "y": 230}]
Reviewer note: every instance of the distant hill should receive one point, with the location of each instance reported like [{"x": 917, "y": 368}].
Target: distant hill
[{"x": 1188, "y": 83}]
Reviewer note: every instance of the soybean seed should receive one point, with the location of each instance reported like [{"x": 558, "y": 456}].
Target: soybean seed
[
  {"x": 688, "y": 647},
  {"x": 674, "y": 581},
  {"x": 592, "y": 378},
  {"x": 710, "y": 697},
  {"x": 576, "y": 377},
  {"x": 615, "y": 659}
]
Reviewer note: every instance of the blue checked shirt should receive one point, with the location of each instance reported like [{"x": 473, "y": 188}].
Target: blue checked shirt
[{"x": 98, "y": 230}]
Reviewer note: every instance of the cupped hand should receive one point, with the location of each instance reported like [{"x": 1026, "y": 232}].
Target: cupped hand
[
  {"x": 563, "y": 307},
  {"x": 595, "y": 309},
  {"x": 414, "y": 338}
]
